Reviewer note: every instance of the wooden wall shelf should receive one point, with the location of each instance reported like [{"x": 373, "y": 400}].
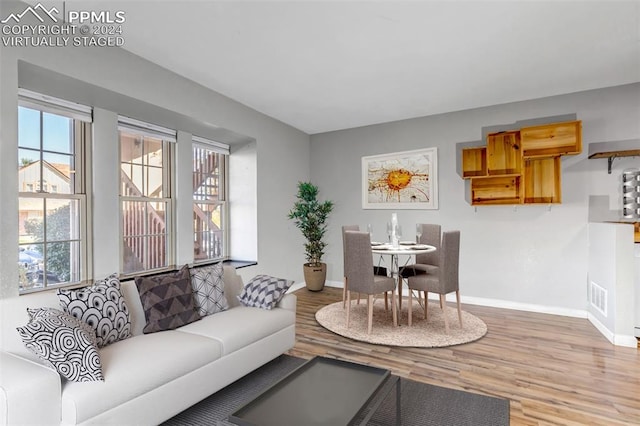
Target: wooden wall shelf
[
  {"x": 614, "y": 149},
  {"x": 521, "y": 166}
]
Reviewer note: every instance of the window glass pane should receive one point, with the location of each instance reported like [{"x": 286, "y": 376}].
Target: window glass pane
[
  {"x": 132, "y": 180},
  {"x": 130, "y": 148},
  {"x": 154, "y": 178},
  {"x": 28, "y": 170},
  {"x": 206, "y": 180},
  {"x": 57, "y": 169},
  {"x": 56, "y": 133},
  {"x": 153, "y": 152},
  {"x": 208, "y": 243},
  {"x": 28, "y": 128},
  {"x": 31, "y": 224},
  {"x": 62, "y": 220},
  {"x": 30, "y": 261},
  {"x": 62, "y": 263},
  {"x": 144, "y": 235}
]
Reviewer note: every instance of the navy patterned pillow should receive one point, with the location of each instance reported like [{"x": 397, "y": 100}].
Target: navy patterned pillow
[
  {"x": 264, "y": 291},
  {"x": 64, "y": 343},
  {"x": 102, "y": 306},
  {"x": 208, "y": 289}
]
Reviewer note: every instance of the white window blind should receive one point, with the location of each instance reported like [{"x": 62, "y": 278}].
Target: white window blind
[
  {"x": 54, "y": 105},
  {"x": 147, "y": 129},
  {"x": 218, "y": 147}
]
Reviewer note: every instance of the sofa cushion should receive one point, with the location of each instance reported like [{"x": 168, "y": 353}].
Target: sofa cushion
[
  {"x": 264, "y": 291},
  {"x": 102, "y": 306},
  {"x": 135, "y": 366},
  {"x": 167, "y": 300},
  {"x": 240, "y": 326},
  {"x": 208, "y": 289},
  {"x": 63, "y": 342}
]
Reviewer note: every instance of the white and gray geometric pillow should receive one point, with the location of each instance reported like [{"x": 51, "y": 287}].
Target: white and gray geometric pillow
[
  {"x": 208, "y": 289},
  {"x": 264, "y": 291},
  {"x": 64, "y": 343},
  {"x": 102, "y": 306}
]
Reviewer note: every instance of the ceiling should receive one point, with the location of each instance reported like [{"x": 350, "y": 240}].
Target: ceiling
[{"x": 327, "y": 65}]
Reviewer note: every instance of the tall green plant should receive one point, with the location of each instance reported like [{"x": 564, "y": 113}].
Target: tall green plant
[{"x": 310, "y": 216}]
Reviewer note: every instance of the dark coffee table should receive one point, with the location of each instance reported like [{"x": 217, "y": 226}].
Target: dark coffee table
[{"x": 323, "y": 391}]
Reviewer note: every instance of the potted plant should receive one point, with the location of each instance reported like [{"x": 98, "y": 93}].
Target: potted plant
[{"x": 310, "y": 216}]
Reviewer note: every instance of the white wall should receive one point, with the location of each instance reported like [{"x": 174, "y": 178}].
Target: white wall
[
  {"x": 531, "y": 256},
  {"x": 281, "y": 153}
]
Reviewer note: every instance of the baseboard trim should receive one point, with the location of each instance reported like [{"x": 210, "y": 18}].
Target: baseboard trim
[{"x": 616, "y": 339}]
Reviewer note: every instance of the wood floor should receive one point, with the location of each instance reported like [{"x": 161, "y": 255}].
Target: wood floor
[{"x": 555, "y": 370}]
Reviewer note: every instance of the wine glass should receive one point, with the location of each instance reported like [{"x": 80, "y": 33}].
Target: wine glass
[
  {"x": 418, "y": 232},
  {"x": 399, "y": 232},
  {"x": 389, "y": 230},
  {"x": 370, "y": 230}
]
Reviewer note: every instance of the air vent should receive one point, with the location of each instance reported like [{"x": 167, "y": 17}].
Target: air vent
[{"x": 598, "y": 298}]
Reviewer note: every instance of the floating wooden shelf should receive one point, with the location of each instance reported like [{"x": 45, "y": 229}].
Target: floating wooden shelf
[
  {"x": 614, "y": 149},
  {"x": 521, "y": 166}
]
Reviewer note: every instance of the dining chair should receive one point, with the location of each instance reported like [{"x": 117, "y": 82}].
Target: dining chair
[
  {"x": 360, "y": 277},
  {"x": 346, "y": 228},
  {"x": 444, "y": 280},
  {"x": 426, "y": 263}
]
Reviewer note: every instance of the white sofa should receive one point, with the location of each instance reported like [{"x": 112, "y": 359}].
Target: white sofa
[{"x": 148, "y": 377}]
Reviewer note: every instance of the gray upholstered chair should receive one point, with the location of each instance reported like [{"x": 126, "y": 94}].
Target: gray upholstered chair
[
  {"x": 444, "y": 280},
  {"x": 344, "y": 262},
  {"x": 427, "y": 262},
  {"x": 360, "y": 277}
]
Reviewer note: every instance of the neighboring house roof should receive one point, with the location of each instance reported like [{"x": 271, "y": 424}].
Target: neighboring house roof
[{"x": 62, "y": 170}]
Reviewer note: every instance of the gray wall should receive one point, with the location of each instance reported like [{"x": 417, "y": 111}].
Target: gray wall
[
  {"x": 277, "y": 155},
  {"x": 532, "y": 256}
]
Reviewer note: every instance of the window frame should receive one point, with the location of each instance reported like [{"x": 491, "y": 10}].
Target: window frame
[
  {"x": 223, "y": 192},
  {"x": 81, "y": 135},
  {"x": 167, "y": 137}
]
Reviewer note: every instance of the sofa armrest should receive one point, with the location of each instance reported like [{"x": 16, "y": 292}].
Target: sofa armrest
[
  {"x": 30, "y": 393},
  {"x": 289, "y": 301}
]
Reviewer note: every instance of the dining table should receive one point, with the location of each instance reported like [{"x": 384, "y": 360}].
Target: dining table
[{"x": 403, "y": 248}]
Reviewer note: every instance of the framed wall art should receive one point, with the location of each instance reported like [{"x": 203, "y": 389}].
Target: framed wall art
[{"x": 401, "y": 180}]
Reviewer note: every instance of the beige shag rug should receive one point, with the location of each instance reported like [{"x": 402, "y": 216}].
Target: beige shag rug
[{"x": 422, "y": 333}]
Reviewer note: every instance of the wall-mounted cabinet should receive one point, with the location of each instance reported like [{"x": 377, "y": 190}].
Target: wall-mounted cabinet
[{"x": 521, "y": 166}]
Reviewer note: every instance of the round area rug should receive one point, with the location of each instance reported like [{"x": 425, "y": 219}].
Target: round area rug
[{"x": 422, "y": 333}]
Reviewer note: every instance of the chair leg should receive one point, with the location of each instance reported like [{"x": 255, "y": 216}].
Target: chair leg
[
  {"x": 348, "y": 306},
  {"x": 394, "y": 307},
  {"x": 459, "y": 309},
  {"x": 444, "y": 314},
  {"x": 409, "y": 307},
  {"x": 386, "y": 301},
  {"x": 426, "y": 304},
  {"x": 370, "y": 310},
  {"x": 344, "y": 292}
]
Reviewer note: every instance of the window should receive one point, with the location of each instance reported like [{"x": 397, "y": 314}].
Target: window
[
  {"x": 52, "y": 136},
  {"x": 145, "y": 197},
  {"x": 209, "y": 200}
]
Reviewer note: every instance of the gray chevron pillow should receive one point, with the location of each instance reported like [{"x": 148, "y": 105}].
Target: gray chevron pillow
[
  {"x": 63, "y": 342},
  {"x": 208, "y": 289},
  {"x": 167, "y": 300},
  {"x": 264, "y": 291}
]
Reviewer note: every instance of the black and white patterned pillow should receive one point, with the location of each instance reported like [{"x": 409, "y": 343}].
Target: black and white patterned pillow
[
  {"x": 208, "y": 289},
  {"x": 102, "y": 306},
  {"x": 264, "y": 291},
  {"x": 64, "y": 343}
]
